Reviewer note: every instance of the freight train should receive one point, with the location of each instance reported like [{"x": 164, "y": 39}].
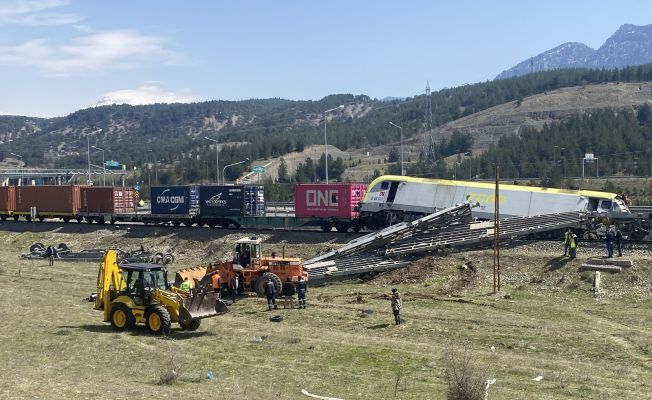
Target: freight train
[
  {"x": 343, "y": 206},
  {"x": 316, "y": 205}
]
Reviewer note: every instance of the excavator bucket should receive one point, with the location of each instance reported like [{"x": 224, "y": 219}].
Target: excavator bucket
[{"x": 203, "y": 305}]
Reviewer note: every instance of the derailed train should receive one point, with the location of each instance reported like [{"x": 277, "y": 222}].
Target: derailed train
[{"x": 391, "y": 199}]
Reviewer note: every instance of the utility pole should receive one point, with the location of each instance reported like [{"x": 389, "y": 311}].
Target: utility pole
[
  {"x": 497, "y": 233},
  {"x": 427, "y": 141}
]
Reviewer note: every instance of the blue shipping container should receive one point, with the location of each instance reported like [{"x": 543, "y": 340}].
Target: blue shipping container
[
  {"x": 170, "y": 199},
  {"x": 221, "y": 201}
]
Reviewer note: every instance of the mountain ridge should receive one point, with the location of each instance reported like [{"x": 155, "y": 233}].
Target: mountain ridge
[{"x": 630, "y": 45}]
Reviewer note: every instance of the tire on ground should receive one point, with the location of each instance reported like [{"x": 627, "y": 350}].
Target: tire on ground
[{"x": 36, "y": 246}]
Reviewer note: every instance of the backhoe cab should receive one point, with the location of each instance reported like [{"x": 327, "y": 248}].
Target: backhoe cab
[{"x": 140, "y": 294}]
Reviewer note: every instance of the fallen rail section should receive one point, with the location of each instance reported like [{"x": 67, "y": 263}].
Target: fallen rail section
[{"x": 399, "y": 245}]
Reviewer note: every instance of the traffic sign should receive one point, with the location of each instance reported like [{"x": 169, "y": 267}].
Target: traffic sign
[{"x": 258, "y": 170}]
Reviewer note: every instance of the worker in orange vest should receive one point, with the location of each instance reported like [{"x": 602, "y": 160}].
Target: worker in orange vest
[{"x": 216, "y": 279}]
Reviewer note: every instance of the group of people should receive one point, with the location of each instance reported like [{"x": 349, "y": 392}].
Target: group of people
[
  {"x": 613, "y": 237},
  {"x": 234, "y": 286},
  {"x": 288, "y": 290}
]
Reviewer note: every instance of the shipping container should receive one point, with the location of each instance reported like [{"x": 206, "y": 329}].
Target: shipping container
[
  {"x": 336, "y": 200},
  {"x": 49, "y": 200},
  {"x": 114, "y": 200},
  {"x": 170, "y": 199},
  {"x": 219, "y": 201},
  {"x": 7, "y": 199},
  {"x": 254, "y": 200}
]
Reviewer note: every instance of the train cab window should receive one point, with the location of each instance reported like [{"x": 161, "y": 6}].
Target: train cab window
[
  {"x": 593, "y": 204},
  {"x": 620, "y": 206},
  {"x": 605, "y": 205}
]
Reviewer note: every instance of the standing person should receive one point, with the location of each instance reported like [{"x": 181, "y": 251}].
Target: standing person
[
  {"x": 572, "y": 245},
  {"x": 270, "y": 293},
  {"x": 609, "y": 239},
  {"x": 302, "y": 288},
  {"x": 235, "y": 286},
  {"x": 186, "y": 285},
  {"x": 216, "y": 280},
  {"x": 288, "y": 293},
  {"x": 49, "y": 252},
  {"x": 618, "y": 238},
  {"x": 396, "y": 306},
  {"x": 567, "y": 239}
]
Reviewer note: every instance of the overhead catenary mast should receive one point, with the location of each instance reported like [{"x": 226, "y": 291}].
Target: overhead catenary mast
[{"x": 428, "y": 145}]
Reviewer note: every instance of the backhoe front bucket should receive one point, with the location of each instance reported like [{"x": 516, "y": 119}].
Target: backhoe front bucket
[{"x": 203, "y": 305}]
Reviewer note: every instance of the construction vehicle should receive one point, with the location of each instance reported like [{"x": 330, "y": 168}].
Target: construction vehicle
[
  {"x": 253, "y": 269},
  {"x": 139, "y": 293}
]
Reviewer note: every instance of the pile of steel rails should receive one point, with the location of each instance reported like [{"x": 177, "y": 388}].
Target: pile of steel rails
[{"x": 399, "y": 245}]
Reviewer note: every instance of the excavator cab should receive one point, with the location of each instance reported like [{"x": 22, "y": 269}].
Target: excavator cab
[
  {"x": 248, "y": 252},
  {"x": 142, "y": 280}
]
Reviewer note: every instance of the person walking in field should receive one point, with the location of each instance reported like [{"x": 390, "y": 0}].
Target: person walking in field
[
  {"x": 302, "y": 288},
  {"x": 567, "y": 240},
  {"x": 270, "y": 293},
  {"x": 216, "y": 281},
  {"x": 51, "y": 252},
  {"x": 397, "y": 303},
  {"x": 235, "y": 286},
  {"x": 618, "y": 239},
  {"x": 288, "y": 293},
  {"x": 609, "y": 240},
  {"x": 572, "y": 245}
]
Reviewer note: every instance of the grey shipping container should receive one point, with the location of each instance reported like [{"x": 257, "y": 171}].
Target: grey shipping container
[
  {"x": 221, "y": 201},
  {"x": 170, "y": 199}
]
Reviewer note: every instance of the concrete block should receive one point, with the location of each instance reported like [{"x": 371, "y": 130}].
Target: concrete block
[
  {"x": 610, "y": 261},
  {"x": 603, "y": 268}
]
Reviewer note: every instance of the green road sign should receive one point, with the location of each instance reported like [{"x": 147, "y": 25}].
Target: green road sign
[{"x": 258, "y": 170}]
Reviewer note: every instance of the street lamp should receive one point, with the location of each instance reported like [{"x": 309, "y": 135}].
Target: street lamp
[
  {"x": 325, "y": 140},
  {"x": 401, "y": 128},
  {"x": 217, "y": 157},
  {"x": 88, "y": 143},
  {"x": 230, "y": 165},
  {"x": 21, "y": 172},
  {"x": 103, "y": 165}
]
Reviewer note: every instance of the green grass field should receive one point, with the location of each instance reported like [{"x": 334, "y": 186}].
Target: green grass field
[{"x": 53, "y": 345}]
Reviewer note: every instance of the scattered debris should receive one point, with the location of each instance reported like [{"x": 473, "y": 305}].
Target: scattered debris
[
  {"x": 538, "y": 378},
  {"x": 314, "y": 396}
]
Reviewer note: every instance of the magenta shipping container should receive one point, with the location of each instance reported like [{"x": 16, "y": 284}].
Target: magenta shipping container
[
  {"x": 53, "y": 200},
  {"x": 337, "y": 200},
  {"x": 114, "y": 200}
]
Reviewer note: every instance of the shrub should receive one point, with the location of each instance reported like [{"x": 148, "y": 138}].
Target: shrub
[{"x": 464, "y": 379}]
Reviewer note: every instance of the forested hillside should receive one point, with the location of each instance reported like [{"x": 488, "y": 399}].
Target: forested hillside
[
  {"x": 620, "y": 139},
  {"x": 171, "y": 136}
]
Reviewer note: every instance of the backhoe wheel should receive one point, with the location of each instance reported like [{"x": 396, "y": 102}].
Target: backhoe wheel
[
  {"x": 259, "y": 285},
  {"x": 192, "y": 325},
  {"x": 158, "y": 320},
  {"x": 121, "y": 317}
]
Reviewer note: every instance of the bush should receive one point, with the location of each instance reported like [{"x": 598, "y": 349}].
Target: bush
[{"x": 464, "y": 379}]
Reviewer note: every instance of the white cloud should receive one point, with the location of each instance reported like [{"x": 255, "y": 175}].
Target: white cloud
[
  {"x": 146, "y": 95},
  {"x": 116, "y": 49},
  {"x": 36, "y": 12}
]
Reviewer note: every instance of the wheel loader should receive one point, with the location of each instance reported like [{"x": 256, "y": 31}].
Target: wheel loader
[
  {"x": 251, "y": 266},
  {"x": 139, "y": 293}
]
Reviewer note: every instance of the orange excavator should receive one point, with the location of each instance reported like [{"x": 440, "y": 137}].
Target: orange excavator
[{"x": 251, "y": 266}]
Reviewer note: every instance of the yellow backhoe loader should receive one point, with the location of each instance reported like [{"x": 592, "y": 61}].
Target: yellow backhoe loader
[{"x": 139, "y": 293}]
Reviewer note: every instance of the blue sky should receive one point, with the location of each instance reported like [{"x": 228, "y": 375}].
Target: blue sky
[{"x": 57, "y": 56}]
